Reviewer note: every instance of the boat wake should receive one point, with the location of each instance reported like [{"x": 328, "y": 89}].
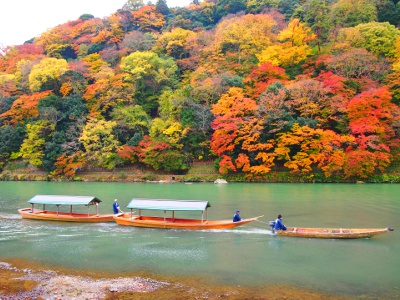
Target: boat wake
[
  {"x": 242, "y": 231},
  {"x": 10, "y": 216}
]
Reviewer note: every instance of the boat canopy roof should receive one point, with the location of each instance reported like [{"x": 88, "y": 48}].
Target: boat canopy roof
[
  {"x": 64, "y": 200},
  {"x": 166, "y": 204}
]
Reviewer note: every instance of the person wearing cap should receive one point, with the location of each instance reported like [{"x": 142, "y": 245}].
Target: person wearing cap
[
  {"x": 236, "y": 217},
  {"x": 116, "y": 207},
  {"x": 278, "y": 223}
]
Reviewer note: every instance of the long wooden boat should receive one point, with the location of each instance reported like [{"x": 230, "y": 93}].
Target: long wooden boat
[
  {"x": 130, "y": 219},
  {"x": 333, "y": 233},
  {"x": 58, "y": 200}
]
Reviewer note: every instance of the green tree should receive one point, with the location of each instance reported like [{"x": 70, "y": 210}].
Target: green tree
[
  {"x": 53, "y": 150},
  {"x": 85, "y": 17},
  {"x": 151, "y": 74},
  {"x": 132, "y": 121},
  {"x": 11, "y": 139},
  {"x": 290, "y": 8},
  {"x": 257, "y": 6},
  {"x": 378, "y": 38},
  {"x": 225, "y": 7},
  {"x": 315, "y": 15},
  {"x": 162, "y": 7},
  {"x": 50, "y": 109},
  {"x": 388, "y": 11},
  {"x": 6, "y": 103},
  {"x": 349, "y": 13},
  {"x": 133, "y": 4}
]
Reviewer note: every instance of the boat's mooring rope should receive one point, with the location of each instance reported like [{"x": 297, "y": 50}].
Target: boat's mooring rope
[{"x": 262, "y": 222}]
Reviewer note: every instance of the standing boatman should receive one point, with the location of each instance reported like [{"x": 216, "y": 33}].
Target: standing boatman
[{"x": 116, "y": 207}]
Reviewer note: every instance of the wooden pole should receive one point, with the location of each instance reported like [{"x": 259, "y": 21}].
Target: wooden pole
[
  {"x": 58, "y": 208},
  {"x": 131, "y": 214},
  {"x": 32, "y": 207},
  {"x": 70, "y": 210}
]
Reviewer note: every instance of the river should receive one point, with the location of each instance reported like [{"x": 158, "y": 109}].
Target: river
[{"x": 247, "y": 256}]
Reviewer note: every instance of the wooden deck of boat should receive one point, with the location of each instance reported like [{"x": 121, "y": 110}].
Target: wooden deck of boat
[
  {"x": 333, "y": 233},
  {"x": 177, "y": 223},
  {"x": 26, "y": 213}
]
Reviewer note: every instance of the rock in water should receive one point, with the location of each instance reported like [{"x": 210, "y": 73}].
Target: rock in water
[{"x": 219, "y": 180}]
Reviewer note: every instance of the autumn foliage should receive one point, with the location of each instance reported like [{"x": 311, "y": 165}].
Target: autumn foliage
[{"x": 257, "y": 87}]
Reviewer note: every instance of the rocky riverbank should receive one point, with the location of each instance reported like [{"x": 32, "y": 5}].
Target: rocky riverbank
[
  {"x": 19, "y": 283},
  {"x": 30, "y": 284}
]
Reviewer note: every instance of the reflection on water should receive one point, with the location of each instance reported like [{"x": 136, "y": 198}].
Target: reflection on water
[{"x": 246, "y": 256}]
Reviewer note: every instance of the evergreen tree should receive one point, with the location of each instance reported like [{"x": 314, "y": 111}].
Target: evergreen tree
[
  {"x": 162, "y": 7},
  {"x": 133, "y": 4}
]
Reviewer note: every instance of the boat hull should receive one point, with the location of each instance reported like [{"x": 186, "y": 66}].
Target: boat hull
[
  {"x": 184, "y": 224},
  {"x": 333, "y": 233},
  {"x": 26, "y": 213}
]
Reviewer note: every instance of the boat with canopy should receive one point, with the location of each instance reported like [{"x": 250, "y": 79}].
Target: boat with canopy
[
  {"x": 330, "y": 233},
  {"x": 171, "y": 222},
  {"x": 57, "y": 215}
]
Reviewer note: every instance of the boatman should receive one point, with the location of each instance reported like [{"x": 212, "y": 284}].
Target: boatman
[
  {"x": 278, "y": 224},
  {"x": 116, "y": 207},
  {"x": 236, "y": 217}
]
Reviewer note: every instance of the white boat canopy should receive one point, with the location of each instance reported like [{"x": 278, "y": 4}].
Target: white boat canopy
[
  {"x": 64, "y": 200},
  {"x": 168, "y": 205}
]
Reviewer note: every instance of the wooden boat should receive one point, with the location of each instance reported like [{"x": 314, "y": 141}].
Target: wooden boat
[
  {"x": 130, "y": 219},
  {"x": 333, "y": 233},
  {"x": 58, "y": 200}
]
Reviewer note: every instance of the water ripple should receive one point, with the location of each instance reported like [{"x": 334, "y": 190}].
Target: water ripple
[{"x": 10, "y": 216}]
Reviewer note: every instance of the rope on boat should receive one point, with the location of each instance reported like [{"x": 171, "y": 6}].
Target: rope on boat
[{"x": 262, "y": 222}]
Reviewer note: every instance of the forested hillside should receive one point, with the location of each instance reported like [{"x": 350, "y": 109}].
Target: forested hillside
[{"x": 311, "y": 87}]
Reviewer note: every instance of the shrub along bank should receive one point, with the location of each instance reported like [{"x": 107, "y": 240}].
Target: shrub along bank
[{"x": 199, "y": 172}]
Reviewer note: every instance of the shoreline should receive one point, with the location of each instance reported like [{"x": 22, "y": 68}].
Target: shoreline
[
  {"x": 27, "y": 280},
  {"x": 199, "y": 172}
]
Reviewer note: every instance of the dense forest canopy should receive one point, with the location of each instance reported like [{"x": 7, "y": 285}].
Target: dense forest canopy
[{"x": 260, "y": 85}]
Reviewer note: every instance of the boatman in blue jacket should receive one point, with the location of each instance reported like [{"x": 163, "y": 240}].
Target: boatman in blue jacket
[
  {"x": 236, "y": 217},
  {"x": 278, "y": 224},
  {"x": 116, "y": 207}
]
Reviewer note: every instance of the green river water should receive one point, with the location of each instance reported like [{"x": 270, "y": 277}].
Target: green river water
[{"x": 246, "y": 256}]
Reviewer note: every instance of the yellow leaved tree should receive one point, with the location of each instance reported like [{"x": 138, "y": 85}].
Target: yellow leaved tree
[
  {"x": 46, "y": 73},
  {"x": 100, "y": 143},
  {"x": 293, "y": 47},
  {"x": 396, "y": 64}
]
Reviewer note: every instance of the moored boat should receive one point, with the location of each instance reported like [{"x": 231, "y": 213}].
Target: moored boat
[
  {"x": 57, "y": 215},
  {"x": 332, "y": 233},
  {"x": 130, "y": 219}
]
